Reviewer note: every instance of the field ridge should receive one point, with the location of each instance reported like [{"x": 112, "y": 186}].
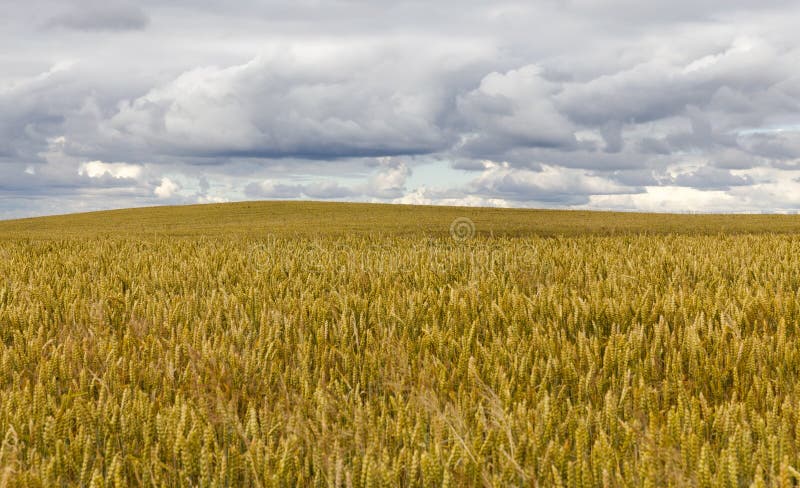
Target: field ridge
[{"x": 306, "y": 218}]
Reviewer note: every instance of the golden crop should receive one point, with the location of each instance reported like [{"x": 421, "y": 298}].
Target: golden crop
[{"x": 365, "y": 361}]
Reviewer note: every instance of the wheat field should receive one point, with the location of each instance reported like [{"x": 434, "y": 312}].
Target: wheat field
[{"x": 250, "y": 356}]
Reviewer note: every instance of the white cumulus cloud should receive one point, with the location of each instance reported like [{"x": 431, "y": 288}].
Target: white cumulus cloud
[{"x": 166, "y": 189}]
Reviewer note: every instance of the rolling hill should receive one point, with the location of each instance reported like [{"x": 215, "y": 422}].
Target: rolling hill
[{"x": 256, "y": 219}]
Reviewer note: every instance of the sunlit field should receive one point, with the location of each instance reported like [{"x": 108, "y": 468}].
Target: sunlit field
[{"x": 308, "y": 344}]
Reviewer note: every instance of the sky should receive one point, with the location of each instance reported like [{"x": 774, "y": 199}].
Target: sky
[{"x": 680, "y": 106}]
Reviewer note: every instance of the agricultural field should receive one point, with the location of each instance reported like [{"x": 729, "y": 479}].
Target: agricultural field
[{"x": 308, "y": 344}]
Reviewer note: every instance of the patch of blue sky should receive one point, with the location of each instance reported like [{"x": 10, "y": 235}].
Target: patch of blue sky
[{"x": 439, "y": 174}]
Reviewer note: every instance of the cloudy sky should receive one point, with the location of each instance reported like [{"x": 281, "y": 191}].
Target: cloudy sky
[{"x": 688, "y": 105}]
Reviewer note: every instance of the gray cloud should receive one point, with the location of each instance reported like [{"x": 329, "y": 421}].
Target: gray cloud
[
  {"x": 709, "y": 178},
  {"x": 547, "y": 185},
  {"x": 107, "y": 15},
  {"x": 387, "y": 182},
  {"x": 583, "y": 103},
  {"x": 512, "y": 110},
  {"x": 318, "y": 103},
  {"x": 270, "y": 189},
  {"x": 778, "y": 145}
]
